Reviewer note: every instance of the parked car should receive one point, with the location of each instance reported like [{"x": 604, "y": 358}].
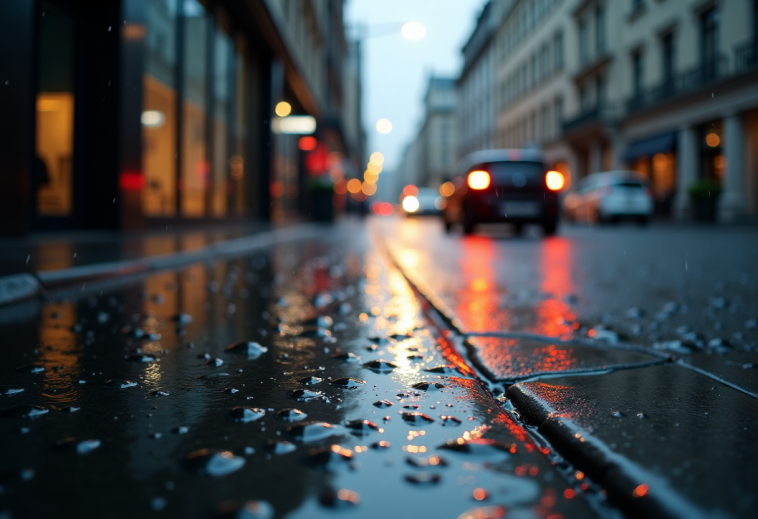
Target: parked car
[
  {"x": 505, "y": 186},
  {"x": 610, "y": 197},
  {"x": 427, "y": 202}
]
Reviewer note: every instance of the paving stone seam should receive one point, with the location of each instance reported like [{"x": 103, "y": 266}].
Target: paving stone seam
[
  {"x": 618, "y": 476},
  {"x": 582, "y": 371},
  {"x": 624, "y": 346},
  {"x": 684, "y": 364},
  {"x": 20, "y": 287}
]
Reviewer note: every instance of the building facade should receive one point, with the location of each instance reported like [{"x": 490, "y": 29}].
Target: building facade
[
  {"x": 476, "y": 87},
  {"x": 132, "y": 113},
  {"x": 667, "y": 88},
  {"x": 437, "y": 138}
]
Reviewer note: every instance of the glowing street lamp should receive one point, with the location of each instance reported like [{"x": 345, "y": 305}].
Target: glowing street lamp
[
  {"x": 413, "y": 31},
  {"x": 383, "y": 126}
]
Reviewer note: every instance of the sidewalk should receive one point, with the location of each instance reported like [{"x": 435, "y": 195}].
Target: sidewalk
[
  {"x": 356, "y": 406},
  {"x": 41, "y": 263}
]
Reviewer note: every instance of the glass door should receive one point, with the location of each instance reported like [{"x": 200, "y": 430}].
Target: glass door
[{"x": 53, "y": 178}]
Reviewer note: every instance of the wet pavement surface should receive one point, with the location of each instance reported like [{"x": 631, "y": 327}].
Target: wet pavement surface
[
  {"x": 600, "y": 373},
  {"x": 256, "y": 387},
  {"x": 695, "y": 445},
  {"x": 42, "y": 252},
  {"x": 601, "y": 325}
]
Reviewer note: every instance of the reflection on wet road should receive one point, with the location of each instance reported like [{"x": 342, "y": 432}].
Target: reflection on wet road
[
  {"x": 640, "y": 342},
  {"x": 303, "y": 379}
]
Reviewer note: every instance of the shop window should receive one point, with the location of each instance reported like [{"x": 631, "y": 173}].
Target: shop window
[
  {"x": 195, "y": 167},
  {"x": 159, "y": 109},
  {"x": 222, "y": 82},
  {"x": 53, "y": 166},
  {"x": 712, "y": 151},
  {"x": 238, "y": 170}
]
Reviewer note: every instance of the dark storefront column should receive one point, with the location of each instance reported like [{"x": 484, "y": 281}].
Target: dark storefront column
[
  {"x": 16, "y": 114},
  {"x": 271, "y": 89},
  {"x": 108, "y": 135},
  {"x": 131, "y": 71}
]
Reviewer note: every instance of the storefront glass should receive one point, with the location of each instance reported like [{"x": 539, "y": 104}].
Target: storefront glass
[
  {"x": 159, "y": 113},
  {"x": 195, "y": 168},
  {"x": 53, "y": 167},
  {"x": 222, "y": 83}
]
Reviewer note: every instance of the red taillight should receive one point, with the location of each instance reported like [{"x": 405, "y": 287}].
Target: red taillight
[
  {"x": 479, "y": 180},
  {"x": 648, "y": 192},
  {"x": 554, "y": 180}
]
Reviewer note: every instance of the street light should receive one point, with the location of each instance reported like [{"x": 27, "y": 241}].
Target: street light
[
  {"x": 413, "y": 31},
  {"x": 383, "y": 126}
]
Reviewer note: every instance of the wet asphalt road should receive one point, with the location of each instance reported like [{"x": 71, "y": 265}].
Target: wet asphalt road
[
  {"x": 138, "y": 413},
  {"x": 643, "y": 341}
]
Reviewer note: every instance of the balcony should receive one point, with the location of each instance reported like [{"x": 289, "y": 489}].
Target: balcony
[
  {"x": 746, "y": 57},
  {"x": 691, "y": 80},
  {"x": 590, "y": 119}
]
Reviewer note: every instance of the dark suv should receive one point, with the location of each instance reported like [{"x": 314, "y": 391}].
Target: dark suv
[{"x": 505, "y": 186}]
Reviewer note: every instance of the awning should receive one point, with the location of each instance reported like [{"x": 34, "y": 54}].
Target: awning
[{"x": 650, "y": 146}]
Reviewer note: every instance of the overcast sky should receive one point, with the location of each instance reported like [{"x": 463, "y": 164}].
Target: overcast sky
[{"x": 395, "y": 70}]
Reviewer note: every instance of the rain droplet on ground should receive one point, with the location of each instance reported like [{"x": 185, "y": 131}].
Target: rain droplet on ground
[
  {"x": 252, "y": 350},
  {"x": 347, "y": 383},
  {"x": 380, "y": 366},
  {"x": 207, "y": 462},
  {"x": 246, "y": 414}
]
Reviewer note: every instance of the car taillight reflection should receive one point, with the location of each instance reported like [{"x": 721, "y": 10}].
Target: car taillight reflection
[
  {"x": 554, "y": 180},
  {"x": 478, "y": 180}
]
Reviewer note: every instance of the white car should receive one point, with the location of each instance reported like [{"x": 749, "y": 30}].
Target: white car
[
  {"x": 427, "y": 202},
  {"x": 609, "y": 197}
]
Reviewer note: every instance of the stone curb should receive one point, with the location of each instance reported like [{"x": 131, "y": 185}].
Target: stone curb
[
  {"x": 20, "y": 287},
  {"x": 616, "y": 474}
]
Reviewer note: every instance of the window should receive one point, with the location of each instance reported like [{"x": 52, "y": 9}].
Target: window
[
  {"x": 709, "y": 25},
  {"x": 54, "y": 139},
  {"x": 545, "y": 61},
  {"x": 637, "y": 73},
  {"x": 159, "y": 102},
  {"x": 667, "y": 49},
  {"x": 535, "y": 70},
  {"x": 600, "y": 91},
  {"x": 195, "y": 167},
  {"x": 584, "y": 97},
  {"x": 637, "y": 5},
  {"x": 583, "y": 42},
  {"x": 558, "y": 51},
  {"x": 600, "y": 29},
  {"x": 558, "y": 115},
  {"x": 545, "y": 123},
  {"x": 222, "y": 108}
]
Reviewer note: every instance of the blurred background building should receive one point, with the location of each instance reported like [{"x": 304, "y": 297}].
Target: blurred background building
[
  {"x": 666, "y": 88},
  {"x": 133, "y": 113}
]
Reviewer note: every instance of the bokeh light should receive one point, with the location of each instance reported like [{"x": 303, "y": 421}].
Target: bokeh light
[
  {"x": 447, "y": 189},
  {"x": 354, "y": 186},
  {"x": 283, "y": 109},
  {"x": 413, "y": 31},
  {"x": 383, "y": 126}
]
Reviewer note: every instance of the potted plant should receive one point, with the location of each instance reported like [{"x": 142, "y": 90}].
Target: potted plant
[
  {"x": 321, "y": 192},
  {"x": 704, "y": 195}
]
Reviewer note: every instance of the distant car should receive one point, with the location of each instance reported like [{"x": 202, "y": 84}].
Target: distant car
[
  {"x": 609, "y": 197},
  {"x": 427, "y": 202},
  {"x": 505, "y": 186}
]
